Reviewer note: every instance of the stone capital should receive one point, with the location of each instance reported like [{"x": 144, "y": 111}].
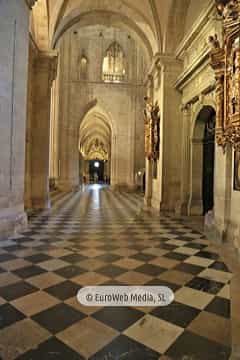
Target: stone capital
[
  {"x": 47, "y": 61},
  {"x": 167, "y": 61},
  {"x": 30, "y": 3}
]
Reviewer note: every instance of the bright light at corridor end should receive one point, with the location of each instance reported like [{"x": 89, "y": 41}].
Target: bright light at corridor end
[{"x": 96, "y": 164}]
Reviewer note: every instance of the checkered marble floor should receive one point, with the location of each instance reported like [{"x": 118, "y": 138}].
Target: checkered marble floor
[{"x": 97, "y": 237}]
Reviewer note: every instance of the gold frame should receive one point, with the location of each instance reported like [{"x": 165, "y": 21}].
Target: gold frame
[{"x": 226, "y": 63}]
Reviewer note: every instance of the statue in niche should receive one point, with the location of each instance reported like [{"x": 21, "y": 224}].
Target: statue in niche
[
  {"x": 148, "y": 127},
  {"x": 156, "y": 130},
  {"x": 237, "y": 170},
  {"x": 152, "y": 129},
  {"x": 83, "y": 66},
  {"x": 213, "y": 40}
]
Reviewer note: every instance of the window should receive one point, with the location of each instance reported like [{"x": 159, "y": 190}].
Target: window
[{"x": 114, "y": 64}]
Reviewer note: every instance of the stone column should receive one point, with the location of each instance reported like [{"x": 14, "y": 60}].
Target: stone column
[
  {"x": 182, "y": 206},
  {"x": 45, "y": 71},
  {"x": 223, "y": 184},
  {"x": 113, "y": 180},
  {"x": 148, "y": 185},
  {"x": 14, "y": 40}
]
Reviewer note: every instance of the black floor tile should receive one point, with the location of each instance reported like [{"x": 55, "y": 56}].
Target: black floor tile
[
  {"x": 29, "y": 271},
  {"x": 14, "y": 248},
  {"x": 219, "y": 265},
  {"x": 143, "y": 257},
  {"x": 108, "y": 247},
  {"x": 189, "y": 268},
  {"x": 220, "y": 307},
  {"x": 191, "y": 346},
  {"x": 52, "y": 349},
  {"x": 150, "y": 269},
  {"x": 58, "y": 318},
  {"x": 111, "y": 271},
  {"x": 15, "y": 291},
  {"x": 7, "y": 257},
  {"x": 195, "y": 245},
  {"x": 9, "y": 315},
  {"x": 159, "y": 282},
  {"x": 64, "y": 290},
  {"x": 70, "y": 271},
  {"x": 73, "y": 258},
  {"x": 176, "y": 313},
  {"x": 166, "y": 246},
  {"x": 37, "y": 258},
  {"x": 207, "y": 255},
  {"x": 209, "y": 286},
  {"x": 119, "y": 318},
  {"x": 125, "y": 348},
  {"x": 176, "y": 256},
  {"x": 108, "y": 258}
]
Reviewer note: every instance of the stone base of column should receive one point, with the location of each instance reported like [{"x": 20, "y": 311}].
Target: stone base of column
[
  {"x": 66, "y": 186},
  {"x": 11, "y": 222},
  {"x": 181, "y": 208},
  {"x": 155, "y": 203},
  {"x": 196, "y": 208},
  {"x": 41, "y": 203},
  {"x": 124, "y": 187},
  {"x": 148, "y": 202}
]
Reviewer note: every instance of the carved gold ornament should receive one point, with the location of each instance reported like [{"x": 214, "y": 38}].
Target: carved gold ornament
[{"x": 225, "y": 61}]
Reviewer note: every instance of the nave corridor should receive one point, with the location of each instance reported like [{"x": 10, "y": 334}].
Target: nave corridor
[{"x": 94, "y": 237}]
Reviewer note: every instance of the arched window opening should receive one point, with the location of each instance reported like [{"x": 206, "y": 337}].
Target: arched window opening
[
  {"x": 114, "y": 64},
  {"x": 83, "y": 71}
]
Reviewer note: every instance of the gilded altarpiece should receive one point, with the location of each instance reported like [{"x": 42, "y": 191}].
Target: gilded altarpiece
[{"x": 225, "y": 61}]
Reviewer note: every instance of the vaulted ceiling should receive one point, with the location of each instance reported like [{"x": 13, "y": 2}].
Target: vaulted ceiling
[{"x": 159, "y": 24}]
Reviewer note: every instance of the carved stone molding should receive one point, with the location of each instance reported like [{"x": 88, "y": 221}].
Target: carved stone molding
[
  {"x": 47, "y": 61},
  {"x": 186, "y": 108},
  {"x": 225, "y": 62}
]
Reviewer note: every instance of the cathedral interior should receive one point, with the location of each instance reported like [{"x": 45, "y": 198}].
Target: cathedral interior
[{"x": 119, "y": 167}]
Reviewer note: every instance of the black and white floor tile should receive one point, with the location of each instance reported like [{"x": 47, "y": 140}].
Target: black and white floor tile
[{"x": 97, "y": 237}]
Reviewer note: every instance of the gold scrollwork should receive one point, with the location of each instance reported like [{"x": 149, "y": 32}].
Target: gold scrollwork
[{"x": 225, "y": 61}]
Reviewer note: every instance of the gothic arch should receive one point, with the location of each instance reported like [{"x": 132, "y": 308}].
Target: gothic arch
[
  {"x": 174, "y": 31},
  {"x": 39, "y": 24},
  {"x": 96, "y": 123},
  {"x": 97, "y": 106}
]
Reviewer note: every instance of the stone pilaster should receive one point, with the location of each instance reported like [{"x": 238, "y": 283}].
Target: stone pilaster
[
  {"x": 45, "y": 72},
  {"x": 182, "y": 206},
  {"x": 170, "y": 130}
]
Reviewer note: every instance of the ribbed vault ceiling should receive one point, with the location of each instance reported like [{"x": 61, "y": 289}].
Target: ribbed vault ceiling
[{"x": 158, "y": 23}]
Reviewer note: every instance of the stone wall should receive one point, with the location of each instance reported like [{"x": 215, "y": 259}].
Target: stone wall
[{"x": 196, "y": 84}]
